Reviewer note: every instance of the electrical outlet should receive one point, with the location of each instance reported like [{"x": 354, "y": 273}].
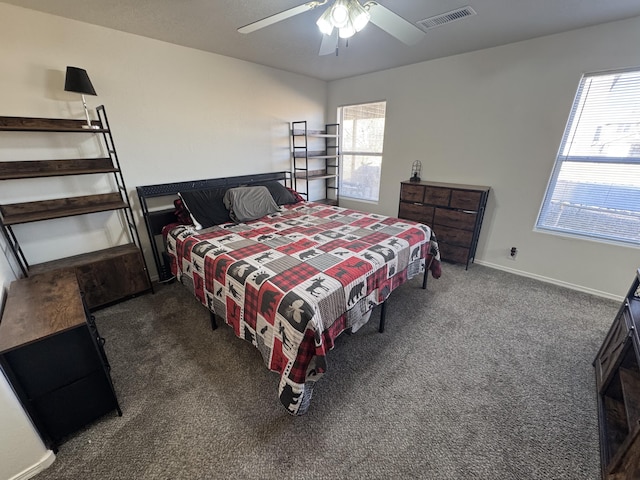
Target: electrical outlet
[{"x": 513, "y": 253}]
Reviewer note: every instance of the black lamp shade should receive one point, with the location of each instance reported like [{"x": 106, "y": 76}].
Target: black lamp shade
[{"x": 77, "y": 80}]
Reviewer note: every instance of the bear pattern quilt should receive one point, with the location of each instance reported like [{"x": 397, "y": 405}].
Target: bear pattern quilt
[{"x": 291, "y": 282}]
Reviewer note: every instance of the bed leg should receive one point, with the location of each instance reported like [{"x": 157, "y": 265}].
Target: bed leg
[
  {"x": 383, "y": 312},
  {"x": 427, "y": 268},
  {"x": 214, "y": 324}
]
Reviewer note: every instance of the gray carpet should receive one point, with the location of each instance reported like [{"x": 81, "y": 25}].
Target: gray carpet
[{"x": 485, "y": 375}]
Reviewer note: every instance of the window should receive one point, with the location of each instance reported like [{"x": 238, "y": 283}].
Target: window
[
  {"x": 594, "y": 190},
  {"x": 362, "y": 140}
]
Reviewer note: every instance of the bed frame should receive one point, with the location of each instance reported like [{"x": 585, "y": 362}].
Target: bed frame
[{"x": 156, "y": 219}]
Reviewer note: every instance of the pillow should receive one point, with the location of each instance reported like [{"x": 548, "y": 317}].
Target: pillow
[
  {"x": 249, "y": 203},
  {"x": 182, "y": 212},
  {"x": 296, "y": 195},
  {"x": 281, "y": 195},
  {"x": 206, "y": 207}
]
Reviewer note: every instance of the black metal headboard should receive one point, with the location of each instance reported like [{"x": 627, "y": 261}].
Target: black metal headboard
[{"x": 155, "y": 220}]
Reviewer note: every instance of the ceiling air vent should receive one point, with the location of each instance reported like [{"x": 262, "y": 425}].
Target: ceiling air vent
[{"x": 448, "y": 17}]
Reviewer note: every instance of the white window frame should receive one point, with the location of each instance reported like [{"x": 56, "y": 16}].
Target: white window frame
[
  {"x": 345, "y": 152},
  {"x": 590, "y": 218}
]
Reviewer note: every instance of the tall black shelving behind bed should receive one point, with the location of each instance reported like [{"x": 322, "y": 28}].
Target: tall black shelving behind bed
[{"x": 156, "y": 219}]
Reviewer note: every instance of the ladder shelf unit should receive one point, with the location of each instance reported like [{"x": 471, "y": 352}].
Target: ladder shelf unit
[
  {"x": 106, "y": 275},
  {"x": 316, "y": 157}
]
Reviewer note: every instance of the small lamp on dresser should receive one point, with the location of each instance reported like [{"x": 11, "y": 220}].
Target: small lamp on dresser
[{"x": 416, "y": 169}]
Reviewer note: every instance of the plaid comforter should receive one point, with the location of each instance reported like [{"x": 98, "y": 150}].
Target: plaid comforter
[{"x": 291, "y": 282}]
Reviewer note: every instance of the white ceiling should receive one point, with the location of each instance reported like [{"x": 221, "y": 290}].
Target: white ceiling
[{"x": 293, "y": 44}]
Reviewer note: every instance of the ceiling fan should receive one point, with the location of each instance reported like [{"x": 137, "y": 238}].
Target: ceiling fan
[{"x": 343, "y": 19}]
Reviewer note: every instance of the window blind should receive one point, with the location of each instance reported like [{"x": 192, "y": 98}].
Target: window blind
[{"x": 594, "y": 189}]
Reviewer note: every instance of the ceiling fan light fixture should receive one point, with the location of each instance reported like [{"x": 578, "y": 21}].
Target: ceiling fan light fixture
[
  {"x": 324, "y": 22},
  {"x": 348, "y": 16},
  {"x": 340, "y": 13},
  {"x": 347, "y": 31},
  {"x": 358, "y": 15}
]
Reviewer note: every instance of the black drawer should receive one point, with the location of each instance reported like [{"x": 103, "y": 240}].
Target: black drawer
[
  {"x": 69, "y": 408},
  {"x": 54, "y": 362}
]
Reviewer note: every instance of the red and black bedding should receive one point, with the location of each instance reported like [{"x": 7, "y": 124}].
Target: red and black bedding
[{"x": 292, "y": 280}]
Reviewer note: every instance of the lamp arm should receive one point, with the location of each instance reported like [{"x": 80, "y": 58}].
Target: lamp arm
[{"x": 86, "y": 112}]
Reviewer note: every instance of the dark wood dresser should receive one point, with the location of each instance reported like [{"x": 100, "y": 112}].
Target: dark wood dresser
[
  {"x": 618, "y": 388},
  {"x": 454, "y": 211},
  {"x": 53, "y": 355}
]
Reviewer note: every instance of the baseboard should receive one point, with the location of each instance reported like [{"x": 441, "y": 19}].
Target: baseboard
[
  {"x": 553, "y": 281},
  {"x": 44, "y": 463}
]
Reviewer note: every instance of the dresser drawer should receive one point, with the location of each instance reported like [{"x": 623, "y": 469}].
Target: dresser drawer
[
  {"x": 454, "y": 218},
  {"x": 412, "y": 193},
  {"x": 75, "y": 405},
  {"x": 465, "y": 200},
  {"x": 614, "y": 347},
  {"x": 417, "y": 213},
  {"x": 454, "y": 236},
  {"x": 437, "y": 196},
  {"x": 75, "y": 357},
  {"x": 452, "y": 253}
]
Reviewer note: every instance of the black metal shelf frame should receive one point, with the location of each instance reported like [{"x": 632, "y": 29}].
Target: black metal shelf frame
[
  {"x": 302, "y": 154},
  {"x": 103, "y": 128}
]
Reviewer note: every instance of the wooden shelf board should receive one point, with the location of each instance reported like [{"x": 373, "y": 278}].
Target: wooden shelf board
[
  {"x": 55, "y": 168},
  {"x": 61, "y": 173},
  {"x": 61, "y": 213},
  {"x": 314, "y": 154},
  {"x": 316, "y": 177},
  {"x": 314, "y": 134},
  {"x": 32, "y": 124},
  {"x": 327, "y": 201},
  {"x": 81, "y": 259},
  {"x": 53, "y": 130}
]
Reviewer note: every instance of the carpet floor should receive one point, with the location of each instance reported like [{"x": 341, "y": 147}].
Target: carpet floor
[{"x": 485, "y": 375}]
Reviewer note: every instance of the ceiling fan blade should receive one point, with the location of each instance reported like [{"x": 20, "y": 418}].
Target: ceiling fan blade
[
  {"x": 394, "y": 24},
  {"x": 329, "y": 43},
  {"x": 270, "y": 20}
]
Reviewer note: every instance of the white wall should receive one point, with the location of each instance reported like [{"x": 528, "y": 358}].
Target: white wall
[
  {"x": 22, "y": 453},
  {"x": 496, "y": 117},
  {"x": 176, "y": 114}
]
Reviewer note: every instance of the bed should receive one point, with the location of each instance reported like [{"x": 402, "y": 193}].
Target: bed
[{"x": 289, "y": 281}]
